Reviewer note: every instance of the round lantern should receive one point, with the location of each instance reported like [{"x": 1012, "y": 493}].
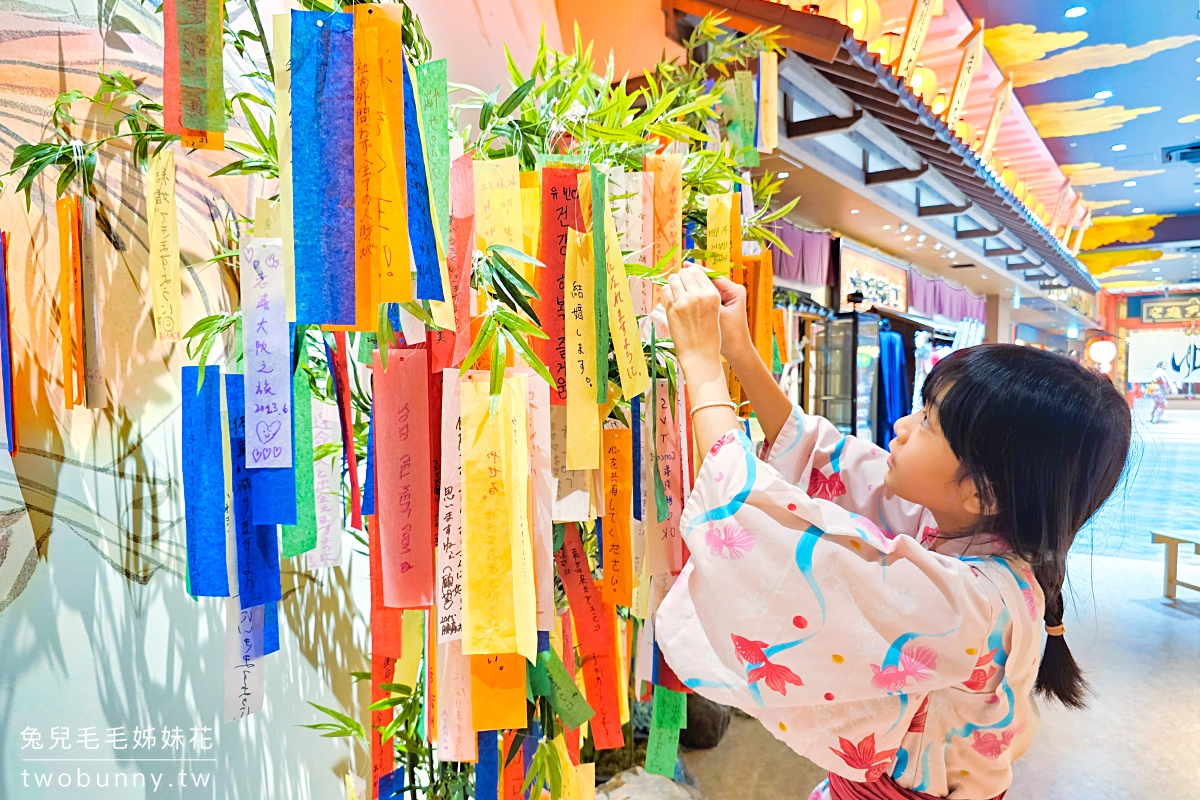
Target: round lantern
[
  {"x": 887, "y": 47},
  {"x": 1102, "y": 351},
  {"x": 939, "y": 103},
  {"x": 923, "y": 83},
  {"x": 1009, "y": 178},
  {"x": 964, "y": 131},
  {"x": 861, "y": 16}
]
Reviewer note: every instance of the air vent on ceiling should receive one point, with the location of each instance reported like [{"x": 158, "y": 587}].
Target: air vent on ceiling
[{"x": 1187, "y": 153}]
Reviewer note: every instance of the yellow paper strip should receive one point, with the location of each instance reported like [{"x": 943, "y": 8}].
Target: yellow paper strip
[
  {"x": 281, "y": 53},
  {"x": 66, "y": 296},
  {"x": 585, "y": 775},
  {"x": 531, "y": 218},
  {"x": 164, "y": 246},
  {"x": 489, "y": 623},
  {"x": 720, "y": 208},
  {"x": 570, "y": 781},
  {"x": 267, "y": 219},
  {"x": 412, "y": 647},
  {"x": 622, "y": 320},
  {"x": 583, "y": 423},
  {"x": 498, "y": 202},
  {"x": 768, "y": 105},
  {"x": 514, "y": 405}
]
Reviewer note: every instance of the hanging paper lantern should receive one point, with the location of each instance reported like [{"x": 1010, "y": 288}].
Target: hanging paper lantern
[
  {"x": 1009, "y": 178},
  {"x": 939, "y": 103},
  {"x": 964, "y": 131},
  {"x": 862, "y": 17},
  {"x": 923, "y": 83},
  {"x": 887, "y": 47}
]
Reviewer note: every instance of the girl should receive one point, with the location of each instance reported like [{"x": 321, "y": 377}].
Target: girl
[
  {"x": 1159, "y": 387},
  {"x": 886, "y": 623}
]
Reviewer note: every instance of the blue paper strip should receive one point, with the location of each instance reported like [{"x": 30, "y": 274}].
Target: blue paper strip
[
  {"x": 530, "y": 745},
  {"x": 487, "y": 770},
  {"x": 543, "y": 638},
  {"x": 270, "y": 628},
  {"x": 392, "y": 785},
  {"x": 10, "y": 433},
  {"x": 257, "y": 545},
  {"x": 635, "y": 414},
  {"x": 323, "y": 166},
  {"x": 273, "y": 489},
  {"x": 599, "y": 534},
  {"x": 204, "y": 483},
  {"x": 368, "y": 503},
  {"x": 420, "y": 212}
]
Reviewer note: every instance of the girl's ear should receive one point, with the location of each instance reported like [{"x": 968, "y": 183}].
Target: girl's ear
[{"x": 973, "y": 503}]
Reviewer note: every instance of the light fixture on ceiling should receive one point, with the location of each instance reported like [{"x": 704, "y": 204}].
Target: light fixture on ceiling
[
  {"x": 1129, "y": 183},
  {"x": 1116, "y": 148},
  {"x": 1074, "y": 12},
  {"x": 854, "y": 211},
  {"x": 783, "y": 175},
  {"x": 907, "y": 237},
  {"x": 904, "y": 228},
  {"x": 953, "y": 254},
  {"x": 984, "y": 276},
  {"x": 1138, "y": 210},
  {"x": 1102, "y": 95},
  {"x": 887, "y": 227},
  {"x": 921, "y": 238},
  {"x": 1157, "y": 269},
  {"x": 937, "y": 245}
]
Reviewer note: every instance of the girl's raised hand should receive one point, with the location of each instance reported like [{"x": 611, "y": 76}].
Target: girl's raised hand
[
  {"x": 735, "y": 327},
  {"x": 693, "y": 308}
]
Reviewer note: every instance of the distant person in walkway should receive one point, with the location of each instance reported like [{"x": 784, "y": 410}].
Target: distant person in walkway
[
  {"x": 883, "y": 616},
  {"x": 1157, "y": 390}
]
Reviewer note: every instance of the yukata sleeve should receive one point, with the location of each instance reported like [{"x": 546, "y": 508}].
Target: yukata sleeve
[
  {"x": 790, "y": 601},
  {"x": 830, "y": 465}
]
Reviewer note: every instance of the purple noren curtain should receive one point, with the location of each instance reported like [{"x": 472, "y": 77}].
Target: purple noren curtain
[
  {"x": 934, "y": 297},
  {"x": 808, "y": 263}
]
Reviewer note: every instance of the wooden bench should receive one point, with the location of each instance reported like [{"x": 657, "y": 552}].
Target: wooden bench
[{"x": 1172, "y": 539}]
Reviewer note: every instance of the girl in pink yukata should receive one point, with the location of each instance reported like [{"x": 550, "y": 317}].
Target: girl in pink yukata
[{"x": 887, "y": 622}]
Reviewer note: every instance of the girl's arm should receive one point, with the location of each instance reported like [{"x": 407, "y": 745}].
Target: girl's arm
[{"x": 806, "y": 449}]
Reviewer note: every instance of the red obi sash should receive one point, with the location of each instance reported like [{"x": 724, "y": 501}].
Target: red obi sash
[{"x": 883, "y": 789}]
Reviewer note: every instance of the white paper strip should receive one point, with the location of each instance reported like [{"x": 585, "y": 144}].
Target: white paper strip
[
  {"x": 456, "y": 740},
  {"x": 327, "y": 487},
  {"x": 243, "y": 674},
  {"x": 542, "y": 484},
  {"x": 572, "y": 488},
  {"x": 449, "y": 539},
  {"x": 267, "y": 353}
]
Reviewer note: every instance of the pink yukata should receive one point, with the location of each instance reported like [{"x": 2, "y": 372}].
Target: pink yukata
[{"x": 823, "y": 615}]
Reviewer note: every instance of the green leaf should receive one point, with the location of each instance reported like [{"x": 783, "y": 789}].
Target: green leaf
[
  {"x": 515, "y": 98},
  {"x": 496, "y": 385},
  {"x": 514, "y": 253},
  {"x": 352, "y": 725},
  {"x": 530, "y": 357},
  {"x": 486, "y": 333},
  {"x": 398, "y": 688}
]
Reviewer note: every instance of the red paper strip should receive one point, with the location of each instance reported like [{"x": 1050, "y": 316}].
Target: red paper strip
[
  {"x": 383, "y": 754},
  {"x": 172, "y": 102},
  {"x": 593, "y": 625},
  {"x": 514, "y": 771},
  {"x": 667, "y": 677},
  {"x": 341, "y": 379},
  {"x": 560, "y": 211},
  {"x": 405, "y": 489},
  {"x": 387, "y": 624},
  {"x": 461, "y": 250}
]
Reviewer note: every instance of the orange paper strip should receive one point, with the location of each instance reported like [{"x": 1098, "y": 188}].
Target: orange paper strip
[
  {"x": 497, "y": 692},
  {"x": 617, "y": 588}
]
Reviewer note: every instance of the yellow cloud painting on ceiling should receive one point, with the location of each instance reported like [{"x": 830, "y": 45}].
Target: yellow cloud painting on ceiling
[
  {"x": 1190, "y": 118},
  {"x": 1081, "y": 117},
  {"x": 1100, "y": 205},
  {"x": 1015, "y": 44},
  {"x": 1022, "y": 51},
  {"x": 1130, "y": 230},
  {"x": 1102, "y": 263},
  {"x": 1090, "y": 173}
]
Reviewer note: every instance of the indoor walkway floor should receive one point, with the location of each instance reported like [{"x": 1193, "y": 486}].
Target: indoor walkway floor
[{"x": 1140, "y": 735}]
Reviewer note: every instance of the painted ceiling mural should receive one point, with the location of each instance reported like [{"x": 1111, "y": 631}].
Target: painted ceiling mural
[{"x": 1108, "y": 86}]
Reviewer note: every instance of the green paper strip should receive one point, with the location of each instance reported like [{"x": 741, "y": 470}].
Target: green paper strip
[
  {"x": 600, "y": 291},
  {"x": 432, "y": 90},
  {"x": 662, "y": 510},
  {"x": 747, "y": 111},
  {"x": 669, "y": 715},
  {"x": 201, "y": 69},
  {"x": 302, "y": 537},
  {"x": 549, "y": 679}
]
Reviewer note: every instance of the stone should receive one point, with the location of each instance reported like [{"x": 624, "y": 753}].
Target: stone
[
  {"x": 637, "y": 784},
  {"x": 706, "y": 723}
]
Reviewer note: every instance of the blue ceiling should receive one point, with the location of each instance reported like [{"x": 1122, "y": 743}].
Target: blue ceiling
[{"x": 1170, "y": 79}]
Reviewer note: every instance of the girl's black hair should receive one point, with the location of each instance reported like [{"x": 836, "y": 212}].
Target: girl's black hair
[{"x": 1044, "y": 440}]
